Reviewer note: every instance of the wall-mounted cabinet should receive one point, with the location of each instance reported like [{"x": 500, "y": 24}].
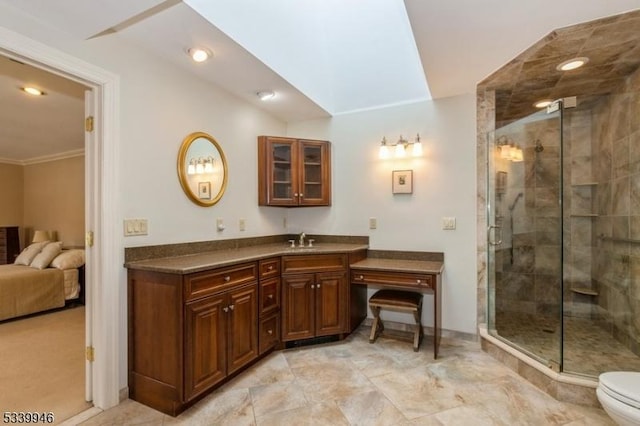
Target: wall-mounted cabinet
[{"x": 293, "y": 172}]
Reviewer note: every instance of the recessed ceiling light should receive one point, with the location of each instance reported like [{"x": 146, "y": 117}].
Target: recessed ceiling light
[
  {"x": 265, "y": 95},
  {"x": 543, "y": 103},
  {"x": 32, "y": 91},
  {"x": 572, "y": 64},
  {"x": 199, "y": 54}
]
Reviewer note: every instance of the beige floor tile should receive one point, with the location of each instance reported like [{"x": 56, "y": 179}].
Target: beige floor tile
[{"x": 370, "y": 409}]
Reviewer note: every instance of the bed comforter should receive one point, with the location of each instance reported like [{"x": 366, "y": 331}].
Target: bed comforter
[{"x": 25, "y": 290}]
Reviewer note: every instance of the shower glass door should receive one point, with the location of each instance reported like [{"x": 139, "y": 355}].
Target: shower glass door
[{"x": 525, "y": 235}]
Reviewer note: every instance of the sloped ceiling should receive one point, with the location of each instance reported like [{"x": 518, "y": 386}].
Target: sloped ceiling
[{"x": 353, "y": 63}]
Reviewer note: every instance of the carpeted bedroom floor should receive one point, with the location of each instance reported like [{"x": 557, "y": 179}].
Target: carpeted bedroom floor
[{"x": 42, "y": 364}]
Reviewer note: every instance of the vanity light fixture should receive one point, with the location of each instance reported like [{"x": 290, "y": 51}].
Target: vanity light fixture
[
  {"x": 198, "y": 166},
  {"x": 199, "y": 54},
  {"x": 572, "y": 64},
  {"x": 32, "y": 91},
  {"x": 400, "y": 148},
  {"x": 508, "y": 150},
  {"x": 265, "y": 95}
]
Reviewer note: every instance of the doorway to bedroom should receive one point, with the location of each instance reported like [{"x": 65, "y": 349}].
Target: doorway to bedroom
[{"x": 42, "y": 183}]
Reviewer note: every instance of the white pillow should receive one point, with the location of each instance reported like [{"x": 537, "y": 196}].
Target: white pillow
[
  {"x": 69, "y": 259},
  {"x": 48, "y": 253},
  {"x": 29, "y": 253}
]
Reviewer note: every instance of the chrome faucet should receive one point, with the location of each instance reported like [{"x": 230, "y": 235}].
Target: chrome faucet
[{"x": 302, "y": 237}]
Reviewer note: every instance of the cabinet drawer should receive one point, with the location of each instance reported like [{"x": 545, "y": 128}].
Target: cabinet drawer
[
  {"x": 314, "y": 263},
  {"x": 269, "y": 333},
  {"x": 269, "y": 296},
  {"x": 269, "y": 267},
  {"x": 3, "y": 233},
  {"x": 392, "y": 278},
  {"x": 205, "y": 283}
]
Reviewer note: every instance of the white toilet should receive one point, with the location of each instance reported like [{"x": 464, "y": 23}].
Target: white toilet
[{"x": 619, "y": 394}]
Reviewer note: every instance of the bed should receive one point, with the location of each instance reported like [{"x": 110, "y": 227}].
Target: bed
[{"x": 26, "y": 289}]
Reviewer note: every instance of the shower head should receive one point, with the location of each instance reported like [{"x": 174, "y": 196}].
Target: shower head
[{"x": 513, "y": 205}]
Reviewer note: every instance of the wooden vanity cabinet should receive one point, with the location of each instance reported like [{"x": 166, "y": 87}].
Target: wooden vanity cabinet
[
  {"x": 293, "y": 172},
  {"x": 187, "y": 333},
  {"x": 269, "y": 304},
  {"x": 315, "y": 296}
]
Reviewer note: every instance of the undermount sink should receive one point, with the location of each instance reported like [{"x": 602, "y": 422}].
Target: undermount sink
[{"x": 301, "y": 249}]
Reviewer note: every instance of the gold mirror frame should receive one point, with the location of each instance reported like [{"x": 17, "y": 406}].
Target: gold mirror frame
[{"x": 209, "y": 194}]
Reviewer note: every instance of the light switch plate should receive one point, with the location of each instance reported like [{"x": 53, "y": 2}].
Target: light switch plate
[
  {"x": 242, "y": 224},
  {"x": 448, "y": 223},
  {"x": 133, "y": 227},
  {"x": 373, "y": 223}
]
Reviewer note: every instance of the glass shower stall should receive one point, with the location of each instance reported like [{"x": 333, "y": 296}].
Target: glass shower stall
[{"x": 564, "y": 237}]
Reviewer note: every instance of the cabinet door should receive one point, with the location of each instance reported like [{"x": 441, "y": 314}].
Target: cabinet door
[
  {"x": 331, "y": 303},
  {"x": 315, "y": 173},
  {"x": 297, "y": 307},
  {"x": 277, "y": 171},
  {"x": 205, "y": 350},
  {"x": 243, "y": 327}
]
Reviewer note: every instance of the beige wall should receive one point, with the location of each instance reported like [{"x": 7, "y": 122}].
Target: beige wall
[
  {"x": 54, "y": 199},
  {"x": 11, "y": 194}
]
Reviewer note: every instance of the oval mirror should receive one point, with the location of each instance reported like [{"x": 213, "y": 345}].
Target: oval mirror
[{"x": 202, "y": 169}]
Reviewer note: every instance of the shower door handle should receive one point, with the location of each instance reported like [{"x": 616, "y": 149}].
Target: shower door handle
[{"x": 497, "y": 228}]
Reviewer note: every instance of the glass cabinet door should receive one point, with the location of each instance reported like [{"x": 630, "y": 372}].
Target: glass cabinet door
[{"x": 314, "y": 172}]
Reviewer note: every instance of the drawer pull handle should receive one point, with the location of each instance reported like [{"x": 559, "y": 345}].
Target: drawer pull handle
[
  {"x": 270, "y": 268},
  {"x": 225, "y": 309},
  {"x": 270, "y": 332},
  {"x": 231, "y": 307},
  {"x": 227, "y": 278}
]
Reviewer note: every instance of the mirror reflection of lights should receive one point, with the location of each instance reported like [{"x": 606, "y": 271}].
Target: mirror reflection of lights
[{"x": 198, "y": 166}]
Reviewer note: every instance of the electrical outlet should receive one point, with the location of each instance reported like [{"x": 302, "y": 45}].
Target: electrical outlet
[
  {"x": 448, "y": 223},
  {"x": 241, "y": 224},
  {"x": 373, "y": 223}
]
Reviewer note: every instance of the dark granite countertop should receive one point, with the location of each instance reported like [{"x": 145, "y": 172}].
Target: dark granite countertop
[
  {"x": 400, "y": 265},
  {"x": 190, "y": 263}
]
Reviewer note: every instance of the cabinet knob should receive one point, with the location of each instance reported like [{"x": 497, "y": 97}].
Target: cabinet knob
[
  {"x": 269, "y": 332},
  {"x": 301, "y": 195},
  {"x": 361, "y": 277},
  {"x": 270, "y": 268},
  {"x": 317, "y": 285},
  {"x": 227, "y": 278},
  {"x": 225, "y": 309},
  {"x": 313, "y": 286},
  {"x": 295, "y": 194},
  {"x": 270, "y": 296},
  {"x": 419, "y": 281},
  {"x": 231, "y": 307}
]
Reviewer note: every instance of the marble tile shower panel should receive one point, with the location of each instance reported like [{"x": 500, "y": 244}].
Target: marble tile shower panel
[
  {"x": 620, "y": 194},
  {"x": 546, "y": 202},
  {"x": 634, "y": 149}
]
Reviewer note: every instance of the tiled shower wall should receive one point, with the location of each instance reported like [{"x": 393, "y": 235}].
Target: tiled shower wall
[{"x": 616, "y": 130}]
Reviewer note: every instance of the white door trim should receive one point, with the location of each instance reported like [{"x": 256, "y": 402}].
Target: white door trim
[{"x": 105, "y": 258}]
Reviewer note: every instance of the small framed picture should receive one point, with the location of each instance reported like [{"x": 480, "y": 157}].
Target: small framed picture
[
  {"x": 402, "y": 181},
  {"x": 204, "y": 190}
]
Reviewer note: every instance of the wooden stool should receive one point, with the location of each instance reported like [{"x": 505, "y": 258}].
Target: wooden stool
[{"x": 396, "y": 300}]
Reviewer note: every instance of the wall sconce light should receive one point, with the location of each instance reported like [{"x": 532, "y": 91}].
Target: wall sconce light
[
  {"x": 400, "y": 148},
  {"x": 508, "y": 150},
  {"x": 198, "y": 166}
]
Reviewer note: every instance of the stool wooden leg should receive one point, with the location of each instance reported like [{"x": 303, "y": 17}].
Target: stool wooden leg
[
  {"x": 417, "y": 336},
  {"x": 377, "y": 326}
]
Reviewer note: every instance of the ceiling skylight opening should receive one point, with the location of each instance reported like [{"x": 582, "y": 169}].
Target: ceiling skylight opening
[
  {"x": 33, "y": 91},
  {"x": 199, "y": 54},
  {"x": 572, "y": 64}
]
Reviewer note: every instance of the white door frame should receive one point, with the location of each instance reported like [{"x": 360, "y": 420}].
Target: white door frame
[{"x": 105, "y": 258}]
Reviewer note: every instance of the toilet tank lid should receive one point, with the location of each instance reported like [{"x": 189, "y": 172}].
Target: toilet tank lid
[{"x": 624, "y": 383}]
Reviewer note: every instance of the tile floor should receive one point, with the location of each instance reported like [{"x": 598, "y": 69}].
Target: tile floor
[
  {"x": 354, "y": 382},
  {"x": 588, "y": 349}
]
